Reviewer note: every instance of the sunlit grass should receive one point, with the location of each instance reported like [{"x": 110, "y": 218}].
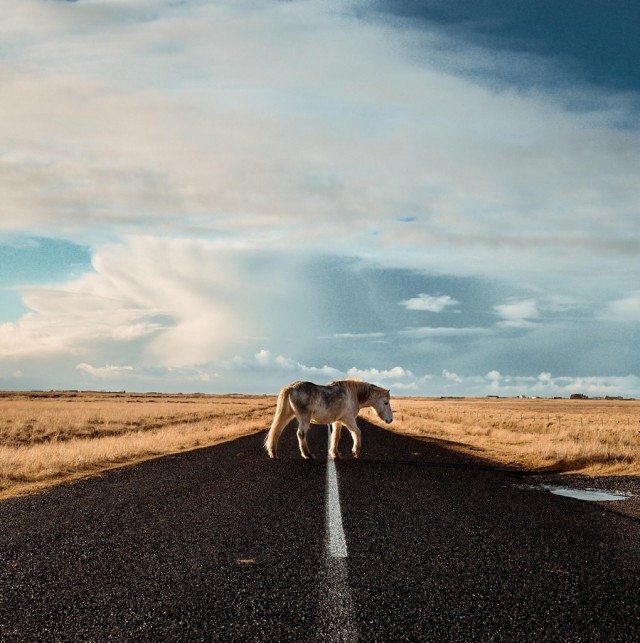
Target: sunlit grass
[
  {"x": 49, "y": 438},
  {"x": 595, "y": 437}
]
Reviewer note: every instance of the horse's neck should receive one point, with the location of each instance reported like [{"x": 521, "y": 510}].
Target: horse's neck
[
  {"x": 366, "y": 403},
  {"x": 361, "y": 391}
]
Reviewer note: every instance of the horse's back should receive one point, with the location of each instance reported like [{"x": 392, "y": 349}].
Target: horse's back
[
  {"x": 322, "y": 403},
  {"x": 304, "y": 388},
  {"x": 309, "y": 391}
]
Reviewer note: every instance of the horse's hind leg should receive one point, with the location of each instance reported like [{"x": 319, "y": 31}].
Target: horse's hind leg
[
  {"x": 336, "y": 427},
  {"x": 303, "y": 428}
]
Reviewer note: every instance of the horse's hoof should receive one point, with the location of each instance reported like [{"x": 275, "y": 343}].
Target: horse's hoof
[{"x": 335, "y": 456}]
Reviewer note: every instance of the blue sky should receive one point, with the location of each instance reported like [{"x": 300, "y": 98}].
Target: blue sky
[{"x": 440, "y": 197}]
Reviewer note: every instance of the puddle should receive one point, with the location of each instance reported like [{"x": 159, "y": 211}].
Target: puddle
[{"x": 588, "y": 494}]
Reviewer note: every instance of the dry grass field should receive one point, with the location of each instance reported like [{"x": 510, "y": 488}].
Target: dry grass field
[
  {"x": 592, "y": 437},
  {"x": 46, "y": 438}
]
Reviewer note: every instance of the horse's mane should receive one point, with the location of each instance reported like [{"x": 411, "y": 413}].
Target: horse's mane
[{"x": 361, "y": 390}]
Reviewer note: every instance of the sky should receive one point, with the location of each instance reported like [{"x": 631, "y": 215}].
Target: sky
[{"x": 440, "y": 197}]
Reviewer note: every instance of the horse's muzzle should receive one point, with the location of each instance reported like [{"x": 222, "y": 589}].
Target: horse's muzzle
[{"x": 388, "y": 421}]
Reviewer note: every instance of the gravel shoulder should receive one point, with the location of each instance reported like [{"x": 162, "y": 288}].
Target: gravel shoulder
[{"x": 625, "y": 484}]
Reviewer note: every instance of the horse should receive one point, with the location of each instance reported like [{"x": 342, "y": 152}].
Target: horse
[{"x": 336, "y": 403}]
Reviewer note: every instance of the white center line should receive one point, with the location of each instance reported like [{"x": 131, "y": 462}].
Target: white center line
[
  {"x": 336, "y": 543},
  {"x": 336, "y": 616}
]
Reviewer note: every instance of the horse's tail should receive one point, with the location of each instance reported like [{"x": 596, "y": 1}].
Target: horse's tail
[{"x": 283, "y": 415}]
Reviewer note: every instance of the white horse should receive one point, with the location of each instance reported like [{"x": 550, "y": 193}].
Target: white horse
[{"x": 337, "y": 403}]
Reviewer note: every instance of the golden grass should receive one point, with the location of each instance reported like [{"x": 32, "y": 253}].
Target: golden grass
[
  {"x": 47, "y": 438},
  {"x": 592, "y": 437}
]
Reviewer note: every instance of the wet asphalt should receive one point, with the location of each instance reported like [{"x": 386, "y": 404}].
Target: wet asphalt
[{"x": 222, "y": 544}]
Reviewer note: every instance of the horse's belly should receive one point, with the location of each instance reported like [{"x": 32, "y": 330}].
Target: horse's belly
[
  {"x": 323, "y": 418},
  {"x": 327, "y": 415}
]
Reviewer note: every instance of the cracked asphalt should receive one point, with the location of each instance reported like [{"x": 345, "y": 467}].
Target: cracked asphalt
[{"x": 221, "y": 544}]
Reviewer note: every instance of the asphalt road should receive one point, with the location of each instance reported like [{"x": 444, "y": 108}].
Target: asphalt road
[{"x": 222, "y": 544}]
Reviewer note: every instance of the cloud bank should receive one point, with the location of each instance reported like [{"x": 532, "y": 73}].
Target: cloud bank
[{"x": 317, "y": 181}]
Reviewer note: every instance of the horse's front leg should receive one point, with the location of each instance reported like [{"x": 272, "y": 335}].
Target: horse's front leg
[
  {"x": 336, "y": 427},
  {"x": 303, "y": 428},
  {"x": 352, "y": 425}
]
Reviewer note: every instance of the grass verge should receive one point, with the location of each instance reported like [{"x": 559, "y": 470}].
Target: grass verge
[
  {"x": 591, "y": 437},
  {"x": 49, "y": 438},
  {"x": 52, "y": 438}
]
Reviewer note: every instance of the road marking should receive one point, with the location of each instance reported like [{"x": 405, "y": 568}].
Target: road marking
[
  {"x": 336, "y": 614},
  {"x": 336, "y": 543},
  {"x": 336, "y": 617}
]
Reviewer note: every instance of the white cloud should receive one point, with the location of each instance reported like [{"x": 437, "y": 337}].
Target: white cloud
[
  {"x": 290, "y": 154},
  {"x": 506, "y": 385},
  {"x": 105, "y": 372},
  {"x": 451, "y": 377},
  {"x": 263, "y": 357},
  {"x": 68, "y": 323},
  {"x": 542, "y": 385},
  {"x": 444, "y": 331},
  {"x": 168, "y": 294},
  {"x": 128, "y": 373},
  {"x": 402, "y": 386},
  {"x": 430, "y": 303},
  {"x": 358, "y": 335},
  {"x": 265, "y": 360},
  {"x": 374, "y": 374},
  {"x": 145, "y": 129},
  {"x": 545, "y": 378},
  {"x": 518, "y": 314},
  {"x": 626, "y": 309},
  {"x": 11, "y": 375},
  {"x": 612, "y": 385}
]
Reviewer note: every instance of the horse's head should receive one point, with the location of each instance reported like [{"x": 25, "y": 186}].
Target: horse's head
[{"x": 381, "y": 403}]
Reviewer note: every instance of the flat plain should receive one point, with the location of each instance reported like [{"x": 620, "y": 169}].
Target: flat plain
[
  {"x": 51, "y": 437},
  {"x": 591, "y": 437},
  {"x": 48, "y": 438}
]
